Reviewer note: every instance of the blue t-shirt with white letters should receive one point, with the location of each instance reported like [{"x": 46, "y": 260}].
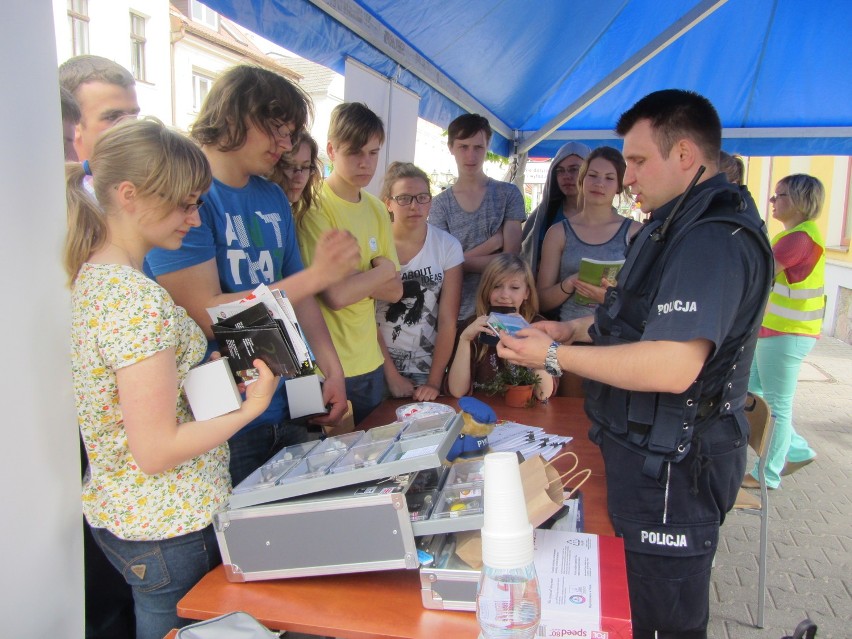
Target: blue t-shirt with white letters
[{"x": 251, "y": 234}]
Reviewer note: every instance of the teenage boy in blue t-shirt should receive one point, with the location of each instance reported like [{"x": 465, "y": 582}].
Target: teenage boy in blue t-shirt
[{"x": 247, "y": 237}]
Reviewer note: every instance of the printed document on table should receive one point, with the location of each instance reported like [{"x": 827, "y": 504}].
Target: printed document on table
[{"x": 568, "y": 569}]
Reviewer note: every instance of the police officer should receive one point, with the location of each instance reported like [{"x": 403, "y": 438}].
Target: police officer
[{"x": 668, "y": 375}]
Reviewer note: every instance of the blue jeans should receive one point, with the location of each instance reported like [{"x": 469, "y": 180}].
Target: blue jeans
[
  {"x": 250, "y": 449},
  {"x": 774, "y": 375},
  {"x": 160, "y": 574},
  {"x": 365, "y": 392}
]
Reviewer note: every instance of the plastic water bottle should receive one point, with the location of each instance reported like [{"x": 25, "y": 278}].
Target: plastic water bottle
[{"x": 508, "y": 603}]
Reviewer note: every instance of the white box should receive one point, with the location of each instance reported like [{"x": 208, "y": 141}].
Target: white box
[
  {"x": 211, "y": 390},
  {"x": 583, "y": 583},
  {"x": 304, "y": 396}
]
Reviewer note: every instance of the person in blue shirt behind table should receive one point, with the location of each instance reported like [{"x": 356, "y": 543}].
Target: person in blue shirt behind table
[{"x": 247, "y": 237}]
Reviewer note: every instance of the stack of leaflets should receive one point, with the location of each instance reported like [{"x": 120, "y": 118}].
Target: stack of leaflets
[
  {"x": 263, "y": 326},
  {"x": 527, "y": 440},
  {"x": 592, "y": 271}
]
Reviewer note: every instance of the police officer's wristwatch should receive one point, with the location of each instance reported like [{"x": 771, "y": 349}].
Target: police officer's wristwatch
[{"x": 551, "y": 362}]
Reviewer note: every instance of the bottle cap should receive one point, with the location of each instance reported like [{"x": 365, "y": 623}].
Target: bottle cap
[{"x": 507, "y": 536}]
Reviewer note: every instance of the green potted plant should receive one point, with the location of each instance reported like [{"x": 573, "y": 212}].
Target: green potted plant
[{"x": 515, "y": 383}]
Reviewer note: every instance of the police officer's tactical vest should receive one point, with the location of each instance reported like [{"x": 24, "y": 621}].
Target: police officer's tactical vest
[
  {"x": 661, "y": 426},
  {"x": 798, "y": 308}
]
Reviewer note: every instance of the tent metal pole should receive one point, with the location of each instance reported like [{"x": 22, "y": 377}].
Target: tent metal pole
[
  {"x": 636, "y": 61},
  {"x": 366, "y": 26}
]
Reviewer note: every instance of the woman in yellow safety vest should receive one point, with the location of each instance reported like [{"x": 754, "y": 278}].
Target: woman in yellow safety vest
[{"x": 792, "y": 320}]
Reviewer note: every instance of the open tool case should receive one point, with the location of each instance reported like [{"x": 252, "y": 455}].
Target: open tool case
[{"x": 352, "y": 503}]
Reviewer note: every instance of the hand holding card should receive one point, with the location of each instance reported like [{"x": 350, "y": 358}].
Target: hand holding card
[{"x": 506, "y": 322}]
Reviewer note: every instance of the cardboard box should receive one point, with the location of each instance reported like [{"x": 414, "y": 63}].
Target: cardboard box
[
  {"x": 583, "y": 583},
  {"x": 304, "y": 396},
  {"x": 211, "y": 390}
]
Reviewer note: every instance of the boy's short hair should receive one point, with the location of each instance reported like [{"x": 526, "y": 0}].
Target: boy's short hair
[
  {"x": 351, "y": 126},
  {"x": 676, "y": 114},
  {"x": 246, "y": 92},
  {"x": 466, "y": 126},
  {"x": 70, "y": 108},
  {"x": 93, "y": 68}
]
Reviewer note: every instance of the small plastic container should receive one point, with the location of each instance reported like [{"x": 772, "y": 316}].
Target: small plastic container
[
  {"x": 340, "y": 443},
  {"x": 278, "y": 465},
  {"x": 460, "y": 501},
  {"x": 467, "y": 472},
  {"x": 362, "y": 457},
  {"x": 420, "y": 505},
  {"x": 422, "y": 409},
  {"x": 428, "y": 479},
  {"x": 430, "y": 425},
  {"x": 314, "y": 465},
  {"x": 388, "y": 433}
]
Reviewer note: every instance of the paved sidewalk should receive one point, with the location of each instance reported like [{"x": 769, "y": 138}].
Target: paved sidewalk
[{"x": 810, "y": 523}]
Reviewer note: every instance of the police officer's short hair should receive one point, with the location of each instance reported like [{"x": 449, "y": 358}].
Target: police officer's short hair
[
  {"x": 806, "y": 193},
  {"x": 675, "y": 114}
]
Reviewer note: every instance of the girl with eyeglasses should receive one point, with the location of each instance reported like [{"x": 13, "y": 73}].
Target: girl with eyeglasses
[
  {"x": 299, "y": 174},
  {"x": 417, "y": 333},
  {"x": 155, "y": 475}
]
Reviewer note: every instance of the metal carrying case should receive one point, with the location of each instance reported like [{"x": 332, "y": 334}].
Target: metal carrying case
[
  {"x": 342, "y": 505},
  {"x": 448, "y": 583}
]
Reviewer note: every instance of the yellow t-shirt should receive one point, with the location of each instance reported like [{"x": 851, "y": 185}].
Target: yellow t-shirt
[{"x": 353, "y": 329}]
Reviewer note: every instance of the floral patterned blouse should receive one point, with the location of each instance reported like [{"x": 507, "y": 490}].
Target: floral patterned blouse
[{"x": 120, "y": 317}]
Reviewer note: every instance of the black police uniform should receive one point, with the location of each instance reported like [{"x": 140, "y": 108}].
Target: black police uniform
[{"x": 674, "y": 462}]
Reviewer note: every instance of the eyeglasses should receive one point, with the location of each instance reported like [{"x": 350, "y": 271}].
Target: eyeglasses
[
  {"x": 191, "y": 208},
  {"x": 571, "y": 170},
  {"x": 777, "y": 195},
  {"x": 291, "y": 171},
  {"x": 282, "y": 131},
  {"x": 405, "y": 200}
]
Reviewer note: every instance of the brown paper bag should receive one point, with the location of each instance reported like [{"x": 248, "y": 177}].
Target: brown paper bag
[
  {"x": 543, "y": 495},
  {"x": 542, "y": 489},
  {"x": 469, "y": 548}
]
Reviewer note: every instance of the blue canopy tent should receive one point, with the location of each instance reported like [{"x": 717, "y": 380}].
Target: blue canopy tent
[{"x": 545, "y": 71}]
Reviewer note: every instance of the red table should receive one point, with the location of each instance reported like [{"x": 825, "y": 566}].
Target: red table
[{"x": 386, "y": 605}]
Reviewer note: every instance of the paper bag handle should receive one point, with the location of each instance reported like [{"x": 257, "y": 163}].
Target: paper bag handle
[
  {"x": 586, "y": 473},
  {"x": 561, "y": 455}
]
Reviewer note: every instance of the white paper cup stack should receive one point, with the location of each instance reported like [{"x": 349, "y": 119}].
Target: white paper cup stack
[{"x": 507, "y": 535}]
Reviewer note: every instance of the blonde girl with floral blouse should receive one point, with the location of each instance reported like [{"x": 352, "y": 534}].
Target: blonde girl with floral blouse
[{"x": 155, "y": 475}]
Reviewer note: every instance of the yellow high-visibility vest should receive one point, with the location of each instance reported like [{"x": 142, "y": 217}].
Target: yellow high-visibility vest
[{"x": 798, "y": 308}]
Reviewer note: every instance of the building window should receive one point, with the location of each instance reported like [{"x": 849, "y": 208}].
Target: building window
[
  {"x": 137, "y": 46},
  {"x": 78, "y": 24},
  {"x": 204, "y": 15},
  {"x": 200, "y": 88}
]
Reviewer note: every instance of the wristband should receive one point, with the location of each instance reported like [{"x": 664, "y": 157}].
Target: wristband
[{"x": 562, "y": 289}]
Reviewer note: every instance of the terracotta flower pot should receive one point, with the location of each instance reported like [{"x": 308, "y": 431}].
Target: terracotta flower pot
[{"x": 518, "y": 396}]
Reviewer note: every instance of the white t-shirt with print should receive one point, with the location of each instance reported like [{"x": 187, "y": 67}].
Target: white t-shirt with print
[{"x": 409, "y": 327}]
